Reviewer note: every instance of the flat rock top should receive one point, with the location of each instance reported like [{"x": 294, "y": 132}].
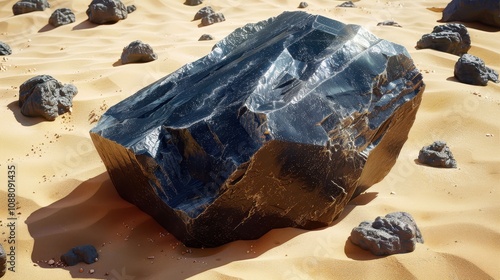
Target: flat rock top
[{"x": 230, "y": 74}]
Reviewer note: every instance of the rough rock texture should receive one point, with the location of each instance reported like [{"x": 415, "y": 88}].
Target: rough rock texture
[
  {"x": 303, "y": 5},
  {"x": 348, "y": 4},
  {"x": 212, "y": 18},
  {"x": 437, "y": 154},
  {"x": 106, "y": 11},
  {"x": 279, "y": 126},
  {"x": 84, "y": 253},
  {"x": 389, "y": 23},
  {"x": 3, "y": 261},
  {"x": 206, "y": 37},
  {"x": 471, "y": 70},
  {"x": 484, "y": 11},
  {"x": 193, "y": 2},
  {"x": 451, "y": 38},
  {"x": 203, "y": 12},
  {"x": 5, "y": 49},
  {"x": 44, "y": 96},
  {"x": 131, "y": 9},
  {"x": 393, "y": 234},
  {"x": 28, "y": 6},
  {"x": 138, "y": 51},
  {"x": 61, "y": 16}
]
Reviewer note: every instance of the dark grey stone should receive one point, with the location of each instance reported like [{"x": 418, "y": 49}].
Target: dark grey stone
[
  {"x": 279, "y": 126},
  {"x": 348, "y": 4},
  {"x": 393, "y": 234},
  {"x": 212, "y": 18},
  {"x": 437, "y": 154},
  {"x": 3, "y": 261},
  {"x": 484, "y": 11},
  {"x": 28, "y": 6},
  {"x": 44, "y": 96},
  {"x": 131, "y": 9},
  {"x": 84, "y": 253},
  {"x": 471, "y": 70},
  {"x": 303, "y": 5},
  {"x": 389, "y": 23},
  {"x": 61, "y": 16},
  {"x": 203, "y": 12},
  {"x": 5, "y": 49},
  {"x": 138, "y": 51},
  {"x": 206, "y": 37},
  {"x": 193, "y": 2},
  {"x": 451, "y": 38},
  {"x": 106, "y": 11}
]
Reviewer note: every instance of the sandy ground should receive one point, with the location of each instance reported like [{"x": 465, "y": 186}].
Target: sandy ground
[{"x": 65, "y": 197}]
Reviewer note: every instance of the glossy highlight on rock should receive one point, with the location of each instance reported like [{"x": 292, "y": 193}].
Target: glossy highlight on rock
[{"x": 279, "y": 126}]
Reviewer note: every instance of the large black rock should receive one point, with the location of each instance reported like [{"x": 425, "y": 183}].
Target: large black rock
[
  {"x": 484, "y": 11},
  {"x": 279, "y": 126}
]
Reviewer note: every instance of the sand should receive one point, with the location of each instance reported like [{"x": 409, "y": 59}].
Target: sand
[{"x": 65, "y": 197}]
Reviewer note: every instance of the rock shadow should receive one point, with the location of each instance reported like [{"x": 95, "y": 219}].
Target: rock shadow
[
  {"x": 118, "y": 63},
  {"x": 125, "y": 237},
  {"x": 356, "y": 253},
  {"x": 22, "y": 119},
  {"x": 86, "y": 24},
  {"x": 47, "y": 27}
]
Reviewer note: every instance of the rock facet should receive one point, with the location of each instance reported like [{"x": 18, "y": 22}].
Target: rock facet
[
  {"x": 484, "y": 11},
  {"x": 138, "y": 51},
  {"x": 279, "y": 126},
  {"x": 28, "y": 6},
  {"x": 106, "y": 11},
  {"x": 451, "y": 38},
  {"x": 437, "y": 154},
  {"x": 393, "y": 234},
  {"x": 471, "y": 70},
  {"x": 84, "y": 253},
  {"x": 44, "y": 96},
  {"x": 61, "y": 16}
]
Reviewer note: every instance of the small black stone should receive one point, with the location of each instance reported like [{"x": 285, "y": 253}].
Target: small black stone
[
  {"x": 303, "y": 5},
  {"x": 206, "y": 37},
  {"x": 437, "y": 154},
  {"x": 451, "y": 38},
  {"x": 84, "y": 253},
  {"x": 61, "y": 16},
  {"x": 5, "y": 49},
  {"x": 348, "y": 4},
  {"x": 393, "y": 234},
  {"x": 472, "y": 70}
]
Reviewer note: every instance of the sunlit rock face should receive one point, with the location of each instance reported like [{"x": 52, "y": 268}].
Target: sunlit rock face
[{"x": 279, "y": 126}]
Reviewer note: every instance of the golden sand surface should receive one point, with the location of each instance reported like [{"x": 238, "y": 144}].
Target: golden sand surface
[{"x": 65, "y": 197}]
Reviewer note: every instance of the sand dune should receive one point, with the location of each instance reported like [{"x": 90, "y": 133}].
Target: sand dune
[{"x": 67, "y": 199}]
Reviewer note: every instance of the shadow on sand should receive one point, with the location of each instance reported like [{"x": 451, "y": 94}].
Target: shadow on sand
[
  {"x": 22, "y": 119},
  {"x": 86, "y": 24},
  {"x": 126, "y": 237}
]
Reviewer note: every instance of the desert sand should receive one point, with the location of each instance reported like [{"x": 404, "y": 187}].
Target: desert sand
[{"x": 65, "y": 197}]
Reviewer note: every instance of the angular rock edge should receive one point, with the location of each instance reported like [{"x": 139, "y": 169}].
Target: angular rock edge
[{"x": 233, "y": 191}]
